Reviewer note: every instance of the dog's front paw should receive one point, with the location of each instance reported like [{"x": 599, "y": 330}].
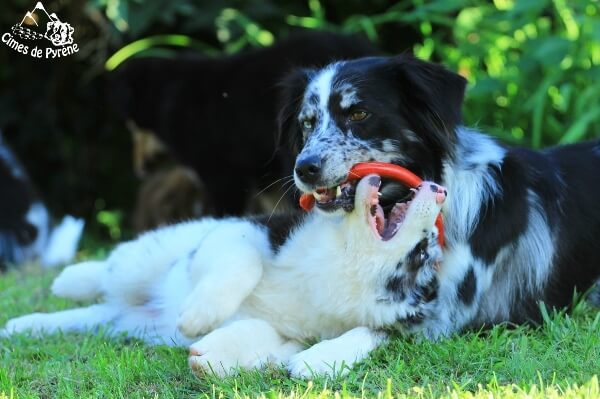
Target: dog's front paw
[
  {"x": 200, "y": 315},
  {"x": 198, "y": 320},
  {"x": 217, "y": 353},
  {"x": 314, "y": 361},
  {"x": 336, "y": 356},
  {"x": 32, "y": 323}
]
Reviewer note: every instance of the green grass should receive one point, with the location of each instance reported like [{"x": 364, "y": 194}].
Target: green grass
[{"x": 559, "y": 359}]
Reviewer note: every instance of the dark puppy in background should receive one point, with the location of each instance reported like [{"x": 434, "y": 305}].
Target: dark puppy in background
[
  {"x": 26, "y": 231},
  {"x": 217, "y": 115},
  {"x": 169, "y": 195},
  {"x": 23, "y": 218}
]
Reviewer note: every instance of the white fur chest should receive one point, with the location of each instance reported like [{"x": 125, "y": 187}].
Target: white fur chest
[{"x": 322, "y": 284}]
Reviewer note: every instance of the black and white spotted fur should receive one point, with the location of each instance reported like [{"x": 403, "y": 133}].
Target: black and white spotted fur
[
  {"x": 26, "y": 229},
  {"x": 23, "y": 218},
  {"x": 522, "y": 226}
]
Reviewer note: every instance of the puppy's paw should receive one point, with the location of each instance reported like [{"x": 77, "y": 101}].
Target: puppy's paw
[
  {"x": 33, "y": 323},
  {"x": 196, "y": 321},
  {"x": 215, "y": 353},
  {"x": 246, "y": 344},
  {"x": 200, "y": 315},
  {"x": 313, "y": 362},
  {"x": 82, "y": 281},
  {"x": 220, "y": 364},
  {"x": 336, "y": 356}
]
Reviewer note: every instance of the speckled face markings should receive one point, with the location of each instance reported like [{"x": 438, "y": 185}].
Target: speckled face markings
[
  {"x": 310, "y": 108},
  {"x": 337, "y": 146},
  {"x": 348, "y": 95}
]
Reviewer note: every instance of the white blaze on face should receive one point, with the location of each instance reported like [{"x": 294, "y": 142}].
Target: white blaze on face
[
  {"x": 322, "y": 86},
  {"x": 320, "y": 90}
]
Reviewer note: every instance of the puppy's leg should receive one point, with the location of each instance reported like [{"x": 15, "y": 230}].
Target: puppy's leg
[
  {"x": 136, "y": 267},
  {"x": 228, "y": 280},
  {"x": 226, "y": 268},
  {"x": 242, "y": 344},
  {"x": 82, "y": 281},
  {"x": 79, "y": 319},
  {"x": 336, "y": 356}
]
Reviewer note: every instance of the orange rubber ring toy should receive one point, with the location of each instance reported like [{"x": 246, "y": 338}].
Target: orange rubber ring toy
[{"x": 391, "y": 171}]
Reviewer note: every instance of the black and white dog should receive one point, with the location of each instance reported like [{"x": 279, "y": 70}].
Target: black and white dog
[
  {"x": 521, "y": 225},
  {"x": 26, "y": 229},
  {"x": 520, "y": 228}
]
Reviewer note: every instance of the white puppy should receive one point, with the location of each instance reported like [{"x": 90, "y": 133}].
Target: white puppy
[{"x": 219, "y": 285}]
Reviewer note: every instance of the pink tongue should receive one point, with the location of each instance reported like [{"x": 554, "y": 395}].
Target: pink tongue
[{"x": 379, "y": 220}]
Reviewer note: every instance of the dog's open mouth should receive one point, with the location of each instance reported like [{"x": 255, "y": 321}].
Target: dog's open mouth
[
  {"x": 332, "y": 199},
  {"x": 342, "y": 196},
  {"x": 385, "y": 221},
  {"x": 386, "y": 213}
]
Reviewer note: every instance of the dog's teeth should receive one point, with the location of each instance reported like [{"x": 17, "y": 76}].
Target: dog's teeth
[
  {"x": 338, "y": 191},
  {"x": 316, "y": 195},
  {"x": 380, "y": 194}
]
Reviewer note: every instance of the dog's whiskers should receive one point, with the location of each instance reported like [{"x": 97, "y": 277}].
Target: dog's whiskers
[
  {"x": 277, "y": 204},
  {"x": 290, "y": 177}
]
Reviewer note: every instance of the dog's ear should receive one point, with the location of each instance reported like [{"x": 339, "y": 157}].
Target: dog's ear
[
  {"x": 433, "y": 90},
  {"x": 291, "y": 93}
]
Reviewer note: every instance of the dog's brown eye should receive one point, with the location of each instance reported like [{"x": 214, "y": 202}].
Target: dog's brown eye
[{"x": 358, "y": 116}]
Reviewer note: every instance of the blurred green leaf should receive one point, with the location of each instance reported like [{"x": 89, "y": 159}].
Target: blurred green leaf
[{"x": 577, "y": 131}]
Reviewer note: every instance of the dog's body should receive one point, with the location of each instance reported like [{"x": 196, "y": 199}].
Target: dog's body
[
  {"x": 521, "y": 225},
  {"x": 254, "y": 299}
]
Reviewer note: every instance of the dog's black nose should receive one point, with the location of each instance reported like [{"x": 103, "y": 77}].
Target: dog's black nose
[{"x": 308, "y": 169}]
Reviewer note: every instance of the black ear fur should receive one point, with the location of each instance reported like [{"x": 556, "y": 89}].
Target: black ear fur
[
  {"x": 291, "y": 90},
  {"x": 433, "y": 89}
]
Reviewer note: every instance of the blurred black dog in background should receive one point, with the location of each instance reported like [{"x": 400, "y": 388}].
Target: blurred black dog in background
[
  {"x": 26, "y": 230},
  {"x": 217, "y": 115},
  {"x": 19, "y": 228}
]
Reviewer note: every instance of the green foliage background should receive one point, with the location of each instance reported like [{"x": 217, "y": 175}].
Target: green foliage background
[{"x": 533, "y": 68}]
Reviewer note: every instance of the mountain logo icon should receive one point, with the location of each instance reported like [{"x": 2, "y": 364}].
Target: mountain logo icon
[{"x": 37, "y": 24}]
